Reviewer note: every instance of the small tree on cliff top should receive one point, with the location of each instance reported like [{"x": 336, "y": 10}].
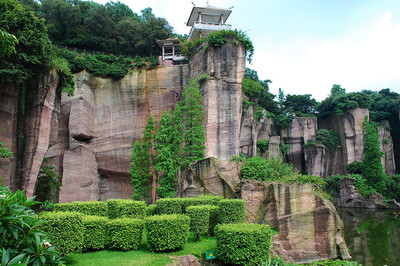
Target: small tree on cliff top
[{"x": 194, "y": 133}]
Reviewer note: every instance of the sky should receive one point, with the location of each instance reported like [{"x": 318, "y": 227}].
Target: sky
[{"x": 306, "y": 46}]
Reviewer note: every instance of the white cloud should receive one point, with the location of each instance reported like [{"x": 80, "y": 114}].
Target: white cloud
[{"x": 356, "y": 61}]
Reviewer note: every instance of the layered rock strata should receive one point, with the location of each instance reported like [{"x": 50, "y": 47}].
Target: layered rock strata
[{"x": 222, "y": 96}]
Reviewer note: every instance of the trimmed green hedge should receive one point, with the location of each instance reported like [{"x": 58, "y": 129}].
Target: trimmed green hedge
[
  {"x": 95, "y": 233},
  {"x": 214, "y": 218},
  {"x": 151, "y": 210},
  {"x": 201, "y": 200},
  {"x": 232, "y": 211},
  {"x": 97, "y": 208},
  {"x": 126, "y": 208},
  {"x": 243, "y": 243},
  {"x": 167, "y": 232},
  {"x": 125, "y": 233},
  {"x": 65, "y": 230},
  {"x": 169, "y": 206},
  {"x": 199, "y": 219}
]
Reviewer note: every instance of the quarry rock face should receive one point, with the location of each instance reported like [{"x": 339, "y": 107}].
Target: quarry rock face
[
  {"x": 28, "y": 128},
  {"x": 315, "y": 157},
  {"x": 296, "y": 135},
  {"x": 211, "y": 176},
  {"x": 386, "y": 145},
  {"x": 349, "y": 129},
  {"x": 100, "y": 125},
  {"x": 252, "y": 130},
  {"x": 309, "y": 226},
  {"x": 222, "y": 96}
]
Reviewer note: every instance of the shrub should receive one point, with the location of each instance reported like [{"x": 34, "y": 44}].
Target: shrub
[
  {"x": 125, "y": 208},
  {"x": 95, "y": 234},
  {"x": 392, "y": 189},
  {"x": 125, "y": 233},
  {"x": 257, "y": 168},
  {"x": 244, "y": 244},
  {"x": 355, "y": 168},
  {"x": 169, "y": 206},
  {"x": 65, "y": 229},
  {"x": 333, "y": 184},
  {"x": 151, "y": 210},
  {"x": 214, "y": 218},
  {"x": 232, "y": 211},
  {"x": 97, "y": 208},
  {"x": 199, "y": 219},
  {"x": 167, "y": 232},
  {"x": 201, "y": 200},
  {"x": 262, "y": 145}
]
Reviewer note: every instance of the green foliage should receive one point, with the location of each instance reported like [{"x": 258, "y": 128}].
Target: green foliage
[
  {"x": 243, "y": 244},
  {"x": 65, "y": 229},
  {"x": 97, "y": 208},
  {"x": 125, "y": 233},
  {"x": 333, "y": 185},
  {"x": 194, "y": 132},
  {"x": 111, "y": 28},
  {"x": 218, "y": 39},
  {"x": 372, "y": 165},
  {"x": 200, "y": 200},
  {"x": 140, "y": 168},
  {"x": 33, "y": 47},
  {"x": 232, "y": 211},
  {"x": 238, "y": 158},
  {"x": 21, "y": 239},
  {"x": 284, "y": 148},
  {"x": 329, "y": 138},
  {"x": 283, "y": 120},
  {"x": 125, "y": 208},
  {"x": 5, "y": 152},
  {"x": 167, "y": 232},
  {"x": 214, "y": 218},
  {"x": 67, "y": 83},
  {"x": 262, "y": 169},
  {"x": 334, "y": 263},
  {"x": 355, "y": 168},
  {"x": 300, "y": 104},
  {"x": 258, "y": 114},
  {"x": 48, "y": 185},
  {"x": 339, "y": 102},
  {"x": 95, "y": 232},
  {"x": 168, "y": 143},
  {"x": 7, "y": 43},
  {"x": 362, "y": 186},
  {"x": 262, "y": 145},
  {"x": 392, "y": 188},
  {"x": 199, "y": 219},
  {"x": 151, "y": 210},
  {"x": 169, "y": 206}
]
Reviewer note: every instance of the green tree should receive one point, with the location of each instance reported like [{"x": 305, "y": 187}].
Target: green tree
[
  {"x": 148, "y": 146},
  {"x": 300, "y": 104},
  {"x": 33, "y": 48},
  {"x": 372, "y": 165},
  {"x": 7, "y": 43},
  {"x": 194, "y": 131},
  {"x": 48, "y": 184},
  {"x": 168, "y": 145},
  {"x": 140, "y": 168}
]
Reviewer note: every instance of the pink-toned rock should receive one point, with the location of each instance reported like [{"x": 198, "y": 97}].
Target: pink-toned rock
[
  {"x": 81, "y": 181},
  {"x": 315, "y": 160},
  {"x": 296, "y": 135},
  {"x": 386, "y": 145},
  {"x": 309, "y": 227},
  {"x": 81, "y": 120},
  {"x": 211, "y": 176},
  {"x": 222, "y": 96},
  {"x": 252, "y": 130}
]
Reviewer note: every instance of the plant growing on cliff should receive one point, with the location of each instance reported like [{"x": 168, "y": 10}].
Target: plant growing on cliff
[
  {"x": 372, "y": 165},
  {"x": 194, "y": 132},
  {"x": 168, "y": 139},
  {"x": 48, "y": 186},
  {"x": 143, "y": 176}
]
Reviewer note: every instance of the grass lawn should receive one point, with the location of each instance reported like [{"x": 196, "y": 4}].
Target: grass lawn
[{"x": 142, "y": 256}]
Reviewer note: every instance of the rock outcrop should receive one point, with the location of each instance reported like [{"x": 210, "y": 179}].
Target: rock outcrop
[
  {"x": 222, "y": 96},
  {"x": 386, "y": 144},
  {"x": 252, "y": 130},
  {"x": 309, "y": 227},
  {"x": 296, "y": 135},
  {"x": 350, "y": 197}
]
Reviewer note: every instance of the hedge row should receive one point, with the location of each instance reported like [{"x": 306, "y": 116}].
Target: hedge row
[
  {"x": 179, "y": 205},
  {"x": 113, "y": 208},
  {"x": 199, "y": 219},
  {"x": 125, "y": 233},
  {"x": 167, "y": 232},
  {"x": 243, "y": 243}
]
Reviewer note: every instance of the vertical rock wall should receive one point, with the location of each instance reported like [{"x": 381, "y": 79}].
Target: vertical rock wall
[
  {"x": 296, "y": 135},
  {"x": 386, "y": 144},
  {"x": 222, "y": 96},
  {"x": 100, "y": 124},
  {"x": 349, "y": 129}
]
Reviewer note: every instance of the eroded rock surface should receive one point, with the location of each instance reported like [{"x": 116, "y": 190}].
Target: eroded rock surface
[
  {"x": 386, "y": 145},
  {"x": 309, "y": 227}
]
